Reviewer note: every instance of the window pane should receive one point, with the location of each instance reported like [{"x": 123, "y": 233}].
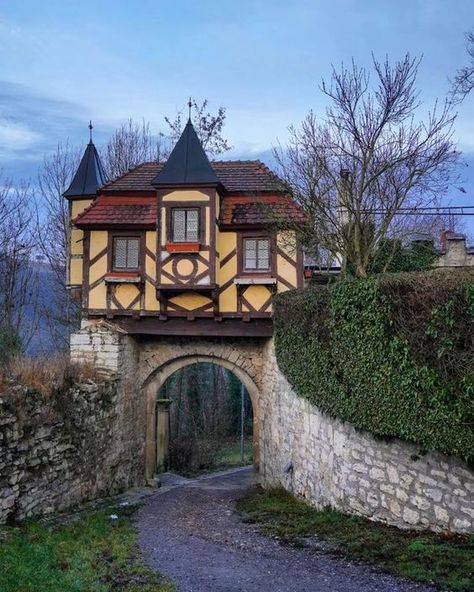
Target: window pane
[
  {"x": 179, "y": 225},
  {"x": 133, "y": 248},
  {"x": 192, "y": 226},
  {"x": 263, "y": 254},
  {"x": 250, "y": 254},
  {"x": 120, "y": 253}
]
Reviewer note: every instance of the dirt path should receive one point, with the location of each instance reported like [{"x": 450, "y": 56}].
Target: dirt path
[{"x": 193, "y": 535}]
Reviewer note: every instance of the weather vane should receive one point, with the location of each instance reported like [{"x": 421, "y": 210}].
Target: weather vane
[
  {"x": 90, "y": 130},
  {"x": 190, "y": 104}
]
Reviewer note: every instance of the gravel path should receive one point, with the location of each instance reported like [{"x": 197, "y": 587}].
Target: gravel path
[{"x": 193, "y": 535}]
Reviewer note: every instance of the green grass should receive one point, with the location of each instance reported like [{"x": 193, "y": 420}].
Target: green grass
[
  {"x": 229, "y": 455},
  {"x": 446, "y": 560},
  {"x": 92, "y": 554}
]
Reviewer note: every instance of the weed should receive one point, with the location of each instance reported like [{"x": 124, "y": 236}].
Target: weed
[
  {"x": 93, "y": 554},
  {"x": 443, "y": 559}
]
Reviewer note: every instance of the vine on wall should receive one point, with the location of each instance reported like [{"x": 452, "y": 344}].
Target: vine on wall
[{"x": 393, "y": 355}]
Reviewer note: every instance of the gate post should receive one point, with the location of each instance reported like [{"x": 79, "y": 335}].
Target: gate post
[{"x": 162, "y": 434}]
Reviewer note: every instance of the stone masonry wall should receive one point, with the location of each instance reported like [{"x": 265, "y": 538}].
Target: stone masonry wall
[
  {"x": 335, "y": 465},
  {"x": 63, "y": 449},
  {"x": 101, "y": 344},
  {"x": 318, "y": 458}
]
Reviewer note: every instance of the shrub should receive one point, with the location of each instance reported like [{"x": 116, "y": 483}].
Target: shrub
[
  {"x": 10, "y": 345},
  {"x": 393, "y": 355},
  {"x": 44, "y": 375}
]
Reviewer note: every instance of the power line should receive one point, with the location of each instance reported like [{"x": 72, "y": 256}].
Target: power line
[{"x": 428, "y": 211}]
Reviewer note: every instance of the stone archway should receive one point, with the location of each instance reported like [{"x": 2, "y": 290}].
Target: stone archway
[{"x": 156, "y": 380}]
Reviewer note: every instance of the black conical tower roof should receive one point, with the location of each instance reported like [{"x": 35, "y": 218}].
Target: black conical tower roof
[
  {"x": 90, "y": 175},
  {"x": 187, "y": 163}
]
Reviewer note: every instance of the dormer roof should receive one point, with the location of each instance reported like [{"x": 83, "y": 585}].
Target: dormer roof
[
  {"x": 90, "y": 175},
  {"x": 187, "y": 163}
]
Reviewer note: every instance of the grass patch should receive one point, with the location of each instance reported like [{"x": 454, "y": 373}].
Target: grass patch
[
  {"x": 229, "y": 455},
  {"x": 446, "y": 560},
  {"x": 226, "y": 457},
  {"x": 93, "y": 554}
]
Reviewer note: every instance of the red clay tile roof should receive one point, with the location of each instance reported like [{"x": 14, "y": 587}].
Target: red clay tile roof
[
  {"x": 140, "y": 212},
  {"x": 262, "y": 210},
  {"x": 260, "y": 198},
  {"x": 235, "y": 175},
  {"x": 119, "y": 212}
]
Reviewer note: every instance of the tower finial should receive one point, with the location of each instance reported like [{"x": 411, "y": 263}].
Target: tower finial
[
  {"x": 190, "y": 104},
  {"x": 90, "y": 130}
]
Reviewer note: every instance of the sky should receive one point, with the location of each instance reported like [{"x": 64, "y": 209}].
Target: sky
[{"x": 63, "y": 62}]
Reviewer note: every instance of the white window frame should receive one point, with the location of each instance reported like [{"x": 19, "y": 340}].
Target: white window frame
[
  {"x": 174, "y": 239},
  {"x": 256, "y": 269},
  {"x": 117, "y": 268}
]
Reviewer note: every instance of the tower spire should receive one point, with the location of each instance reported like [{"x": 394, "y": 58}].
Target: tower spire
[
  {"x": 90, "y": 174},
  {"x": 187, "y": 164},
  {"x": 190, "y": 104}
]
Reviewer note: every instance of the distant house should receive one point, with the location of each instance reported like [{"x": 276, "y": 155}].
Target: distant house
[
  {"x": 181, "y": 247},
  {"x": 454, "y": 252}
]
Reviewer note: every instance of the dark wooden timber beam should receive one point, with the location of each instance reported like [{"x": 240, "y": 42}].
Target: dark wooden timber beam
[{"x": 197, "y": 328}]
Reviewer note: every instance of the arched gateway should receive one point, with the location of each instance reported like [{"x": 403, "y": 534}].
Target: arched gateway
[
  {"x": 176, "y": 263},
  {"x": 143, "y": 364},
  {"x": 243, "y": 359}
]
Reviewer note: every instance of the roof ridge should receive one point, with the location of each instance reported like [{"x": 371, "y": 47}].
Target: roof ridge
[{"x": 239, "y": 161}]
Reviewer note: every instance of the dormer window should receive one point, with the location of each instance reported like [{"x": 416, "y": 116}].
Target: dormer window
[
  {"x": 256, "y": 254},
  {"x": 185, "y": 225},
  {"x": 126, "y": 253}
]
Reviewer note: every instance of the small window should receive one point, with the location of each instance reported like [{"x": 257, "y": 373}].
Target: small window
[
  {"x": 185, "y": 225},
  {"x": 126, "y": 255},
  {"x": 256, "y": 254}
]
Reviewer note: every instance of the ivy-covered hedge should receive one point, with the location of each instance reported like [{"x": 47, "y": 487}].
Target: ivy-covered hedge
[{"x": 393, "y": 355}]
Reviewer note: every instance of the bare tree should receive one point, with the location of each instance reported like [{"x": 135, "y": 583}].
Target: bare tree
[
  {"x": 353, "y": 171},
  {"x": 463, "y": 82},
  {"x": 208, "y": 127},
  {"x": 131, "y": 144},
  {"x": 60, "y": 311},
  {"x": 18, "y": 290}
]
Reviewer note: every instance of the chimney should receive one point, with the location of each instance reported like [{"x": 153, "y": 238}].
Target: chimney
[{"x": 344, "y": 194}]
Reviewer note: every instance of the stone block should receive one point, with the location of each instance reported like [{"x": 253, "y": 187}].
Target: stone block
[{"x": 411, "y": 516}]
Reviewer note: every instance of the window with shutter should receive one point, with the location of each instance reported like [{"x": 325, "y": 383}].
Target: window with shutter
[
  {"x": 126, "y": 253},
  {"x": 256, "y": 254},
  {"x": 185, "y": 225}
]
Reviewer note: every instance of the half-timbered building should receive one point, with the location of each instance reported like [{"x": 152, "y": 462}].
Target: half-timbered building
[{"x": 185, "y": 247}]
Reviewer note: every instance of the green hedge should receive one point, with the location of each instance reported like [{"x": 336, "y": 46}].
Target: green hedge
[{"x": 393, "y": 355}]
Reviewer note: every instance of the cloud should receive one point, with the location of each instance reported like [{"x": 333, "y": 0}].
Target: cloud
[
  {"x": 16, "y": 137},
  {"x": 31, "y": 124}
]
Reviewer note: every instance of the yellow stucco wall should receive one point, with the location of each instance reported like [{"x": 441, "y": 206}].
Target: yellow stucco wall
[
  {"x": 286, "y": 242},
  {"x": 76, "y": 244},
  {"x": 185, "y": 195},
  {"x": 79, "y": 205},
  {"x": 98, "y": 270},
  {"x": 125, "y": 294},
  {"x": 75, "y": 273},
  {"x": 190, "y": 301},
  {"x": 226, "y": 243},
  {"x": 257, "y": 296},
  {"x": 151, "y": 303},
  {"x": 97, "y": 297},
  {"x": 98, "y": 242},
  {"x": 150, "y": 240}
]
